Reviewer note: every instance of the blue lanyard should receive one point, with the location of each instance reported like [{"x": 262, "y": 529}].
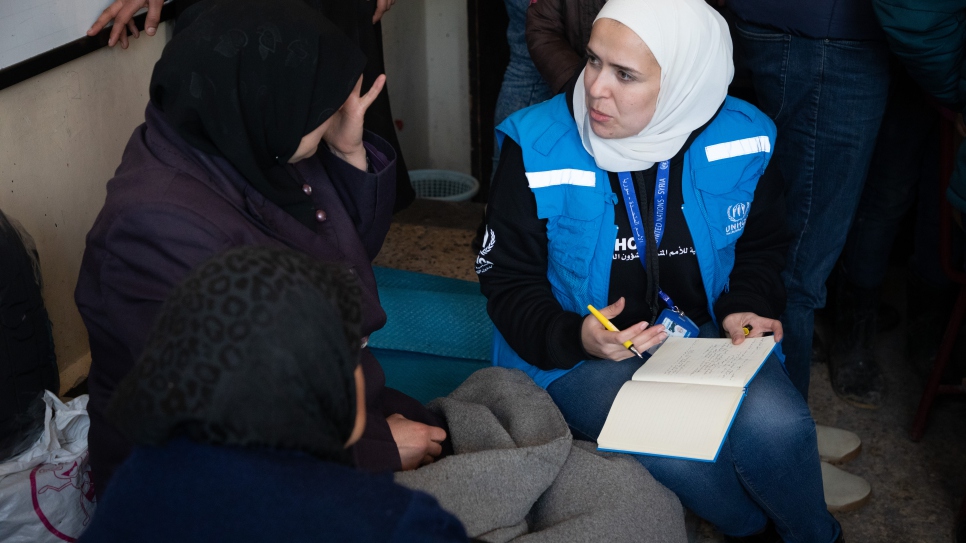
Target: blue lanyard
[{"x": 660, "y": 215}]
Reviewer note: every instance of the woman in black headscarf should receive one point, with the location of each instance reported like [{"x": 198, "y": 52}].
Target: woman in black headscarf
[
  {"x": 241, "y": 409},
  {"x": 253, "y": 136},
  {"x": 359, "y": 19}
]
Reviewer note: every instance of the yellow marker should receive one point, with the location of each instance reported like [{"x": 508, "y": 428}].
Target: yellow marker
[
  {"x": 746, "y": 330},
  {"x": 610, "y": 326}
]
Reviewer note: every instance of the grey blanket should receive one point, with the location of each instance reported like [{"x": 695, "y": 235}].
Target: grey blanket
[{"x": 518, "y": 475}]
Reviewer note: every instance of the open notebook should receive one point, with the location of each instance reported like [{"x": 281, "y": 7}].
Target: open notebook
[{"x": 682, "y": 401}]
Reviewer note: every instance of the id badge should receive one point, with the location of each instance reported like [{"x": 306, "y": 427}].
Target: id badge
[{"x": 677, "y": 325}]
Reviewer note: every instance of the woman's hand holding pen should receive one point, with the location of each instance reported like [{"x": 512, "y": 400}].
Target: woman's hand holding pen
[
  {"x": 735, "y": 323},
  {"x": 607, "y": 345}
]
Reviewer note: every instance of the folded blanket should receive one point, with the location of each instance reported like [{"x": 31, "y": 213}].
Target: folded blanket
[{"x": 517, "y": 475}]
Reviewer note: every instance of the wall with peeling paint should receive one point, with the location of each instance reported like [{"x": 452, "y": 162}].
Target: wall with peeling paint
[{"x": 61, "y": 137}]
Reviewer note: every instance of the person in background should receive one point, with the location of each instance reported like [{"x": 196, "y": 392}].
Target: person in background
[
  {"x": 649, "y": 115},
  {"x": 929, "y": 37},
  {"x": 557, "y": 36},
  {"x": 905, "y": 153},
  {"x": 246, "y": 142},
  {"x": 821, "y": 71},
  {"x": 930, "y": 40},
  {"x": 522, "y": 84},
  {"x": 361, "y": 20},
  {"x": 246, "y": 437},
  {"x": 28, "y": 363}
]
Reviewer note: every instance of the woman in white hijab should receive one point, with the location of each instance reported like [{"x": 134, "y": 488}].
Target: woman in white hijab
[{"x": 646, "y": 189}]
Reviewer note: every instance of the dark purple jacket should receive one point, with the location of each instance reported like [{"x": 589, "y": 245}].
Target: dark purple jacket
[{"x": 170, "y": 207}]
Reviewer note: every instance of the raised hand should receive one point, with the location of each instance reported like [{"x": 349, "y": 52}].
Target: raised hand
[
  {"x": 382, "y": 6},
  {"x": 344, "y": 133},
  {"x": 122, "y": 13}
]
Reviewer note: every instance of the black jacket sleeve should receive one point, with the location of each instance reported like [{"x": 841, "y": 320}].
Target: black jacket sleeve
[
  {"x": 755, "y": 283},
  {"x": 512, "y": 267}
]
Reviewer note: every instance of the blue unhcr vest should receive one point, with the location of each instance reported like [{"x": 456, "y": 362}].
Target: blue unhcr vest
[{"x": 721, "y": 171}]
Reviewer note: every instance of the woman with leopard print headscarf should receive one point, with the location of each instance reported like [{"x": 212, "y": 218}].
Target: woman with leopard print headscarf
[{"x": 241, "y": 410}]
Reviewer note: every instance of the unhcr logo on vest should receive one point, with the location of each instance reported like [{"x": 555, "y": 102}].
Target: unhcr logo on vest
[{"x": 738, "y": 216}]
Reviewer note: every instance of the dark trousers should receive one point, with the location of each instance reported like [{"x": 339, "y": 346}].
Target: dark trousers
[{"x": 827, "y": 98}]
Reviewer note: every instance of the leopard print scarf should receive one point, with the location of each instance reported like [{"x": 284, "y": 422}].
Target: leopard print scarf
[{"x": 256, "y": 347}]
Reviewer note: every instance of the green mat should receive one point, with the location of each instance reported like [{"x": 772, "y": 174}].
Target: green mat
[
  {"x": 424, "y": 376},
  {"x": 436, "y": 335}
]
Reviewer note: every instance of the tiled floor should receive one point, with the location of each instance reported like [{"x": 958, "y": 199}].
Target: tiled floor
[{"x": 917, "y": 487}]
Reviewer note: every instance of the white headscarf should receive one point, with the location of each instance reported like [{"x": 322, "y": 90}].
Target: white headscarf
[{"x": 692, "y": 45}]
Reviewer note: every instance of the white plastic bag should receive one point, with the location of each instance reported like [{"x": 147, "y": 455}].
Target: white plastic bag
[{"x": 46, "y": 494}]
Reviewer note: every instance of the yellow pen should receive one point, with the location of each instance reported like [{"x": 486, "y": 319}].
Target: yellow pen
[{"x": 610, "y": 326}]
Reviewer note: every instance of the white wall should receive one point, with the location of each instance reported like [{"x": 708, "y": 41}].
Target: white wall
[
  {"x": 426, "y": 46},
  {"x": 61, "y": 137},
  {"x": 407, "y": 78}
]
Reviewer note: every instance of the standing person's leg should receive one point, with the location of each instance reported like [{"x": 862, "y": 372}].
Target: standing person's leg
[
  {"x": 889, "y": 192},
  {"x": 522, "y": 85},
  {"x": 929, "y": 293},
  {"x": 827, "y": 98},
  {"x": 905, "y": 138}
]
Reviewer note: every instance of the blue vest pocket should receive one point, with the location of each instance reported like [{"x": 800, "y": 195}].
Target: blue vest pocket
[
  {"x": 574, "y": 215},
  {"x": 727, "y": 191}
]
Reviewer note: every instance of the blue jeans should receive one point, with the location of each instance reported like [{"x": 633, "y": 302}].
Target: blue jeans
[
  {"x": 827, "y": 98},
  {"x": 523, "y": 85},
  {"x": 767, "y": 468},
  {"x": 906, "y": 154}
]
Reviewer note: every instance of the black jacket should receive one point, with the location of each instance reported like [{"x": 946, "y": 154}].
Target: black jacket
[{"x": 820, "y": 19}]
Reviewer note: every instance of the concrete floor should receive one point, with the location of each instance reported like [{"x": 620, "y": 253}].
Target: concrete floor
[{"x": 917, "y": 487}]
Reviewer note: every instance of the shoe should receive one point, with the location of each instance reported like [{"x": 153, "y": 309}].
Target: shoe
[
  {"x": 843, "y": 491},
  {"x": 853, "y": 370},
  {"x": 768, "y": 535},
  {"x": 837, "y": 446}
]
